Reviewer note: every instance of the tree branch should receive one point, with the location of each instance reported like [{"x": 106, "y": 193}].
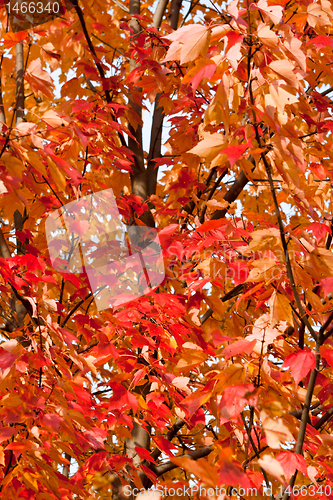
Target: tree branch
[
  {"x": 159, "y": 13},
  {"x": 111, "y": 46},
  {"x": 2, "y": 109},
  {"x": 158, "y": 116},
  {"x": 169, "y": 436},
  {"x": 4, "y": 250},
  {"x": 174, "y": 13},
  {"x": 155, "y": 146},
  {"x": 91, "y": 47},
  {"x": 232, "y": 293},
  {"x": 159, "y": 470},
  {"x": 327, "y": 334},
  {"x": 232, "y": 194},
  {"x": 19, "y": 83},
  {"x": 324, "y": 419},
  {"x": 138, "y": 177},
  {"x": 209, "y": 197},
  {"x": 326, "y": 324},
  {"x": 327, "y": 91}
]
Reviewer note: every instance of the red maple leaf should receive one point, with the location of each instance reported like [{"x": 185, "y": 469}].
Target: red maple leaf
[
  {"x": 291, "y": 462},
  {"x": 300, "y": 364}
]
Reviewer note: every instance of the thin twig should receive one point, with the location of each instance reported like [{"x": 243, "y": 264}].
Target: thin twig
[{"x": 209, "y": 197}]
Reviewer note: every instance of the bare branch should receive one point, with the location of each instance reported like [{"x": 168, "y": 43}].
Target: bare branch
[
  {"x": 327, "y": 323},
  {"x": 111, "y": 46},
  {"x": 232, "y": 195},
  {"x": 20, "y": 307},
  {"x": 138, "y": 178},
  {"x": 65, "y": 469},
  {"x": 159, "y": 13},
  {"x": 327, "y": 91},
  {"x": 327, "y": 334},
  {"x": 155, "y": 146},
  {"x": 91, "y": 47},
  {"x": 97, "y": 62},
  {"x": 174, "y": 13},
  {"x": 209, "y": 197},
  {"x": 232, "y": 293},
  {"x": 324, "y": 419},
  {"x": 2, "y": 109},
  {"x": 90, "y": 84}
]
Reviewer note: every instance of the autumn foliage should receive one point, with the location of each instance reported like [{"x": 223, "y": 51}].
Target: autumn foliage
[{"x": 222, "y": 377}]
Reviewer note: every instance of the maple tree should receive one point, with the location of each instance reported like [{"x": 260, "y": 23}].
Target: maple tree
[{"x": 222, "y": 377}]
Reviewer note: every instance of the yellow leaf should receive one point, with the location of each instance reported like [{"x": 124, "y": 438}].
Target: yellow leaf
[
  {"x": 267, "y": 36},
  {"x": 37, "y": 210},
  {"x": 247, "y": 166},
  {"x": 294, "y": 46},
  {"x": 55, "y": 119},
  {"x": 210, "y": 147},
  {"x": 39, "y": 79},
  {"x": 188, "y": 43},
  {"x": 57, "y": 176},
  {"x": 264, "y": 270},
  {"x": 199, "y": 64},
  {"x": 280, "y": 97},
  {"x": 30, "y": 481},
  {"x": 34, "y": 160},
  {"x": 11, "y": 202},
  {"x": 263, "y": 239},
  {"x": 217, "y": 305},
  {"x": 190, "y": 359},
  {"x": 13, "y": 165},
  {"x": 230, "y": 375},
  {"x": 218, "y": 109},
  {"x": 284, "y": 68},
  {"x": 218, "y": 32},
  {"x": 280, "y": 309}
]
